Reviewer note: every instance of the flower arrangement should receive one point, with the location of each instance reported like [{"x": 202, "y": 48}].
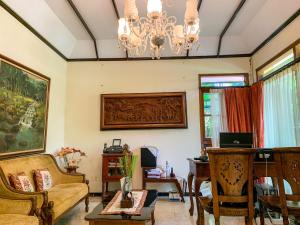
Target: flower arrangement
[{"x": 70, "y": 156}]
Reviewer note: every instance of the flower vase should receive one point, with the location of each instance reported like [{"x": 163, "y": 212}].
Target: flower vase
[{"x": 126, "y": 188}]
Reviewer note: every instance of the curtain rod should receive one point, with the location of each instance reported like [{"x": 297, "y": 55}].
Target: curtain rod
[
  {"x": 280, "y": 70},
  {"x": 246, "y": 86}
]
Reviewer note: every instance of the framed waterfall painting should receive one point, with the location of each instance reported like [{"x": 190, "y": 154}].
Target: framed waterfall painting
[{"x": 24, "y": 96}]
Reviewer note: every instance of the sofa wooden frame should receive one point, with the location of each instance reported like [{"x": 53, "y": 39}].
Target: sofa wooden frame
[{"x": 46, "y": 212}]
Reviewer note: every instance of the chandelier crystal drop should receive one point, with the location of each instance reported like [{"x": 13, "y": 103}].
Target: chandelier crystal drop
[{"x": 136, "y": 33}]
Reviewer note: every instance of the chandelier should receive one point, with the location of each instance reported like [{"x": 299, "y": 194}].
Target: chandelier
[{"x": 136, "y": 33}]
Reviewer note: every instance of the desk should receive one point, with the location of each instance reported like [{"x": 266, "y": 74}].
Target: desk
[{"x": 199, "y": 172}]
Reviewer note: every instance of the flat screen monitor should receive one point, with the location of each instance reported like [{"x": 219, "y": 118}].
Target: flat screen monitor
[{"x": 236, "y": 140}]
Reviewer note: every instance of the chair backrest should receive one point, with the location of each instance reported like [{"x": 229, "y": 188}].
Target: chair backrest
[
  {"x": 231, "y": 176},
  {"x": 288, "y": 165}
]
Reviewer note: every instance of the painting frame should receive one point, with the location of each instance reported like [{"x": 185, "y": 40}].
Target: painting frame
[
  {"x": 38, "y": 76},
  {"x": 105, "y": 125}
]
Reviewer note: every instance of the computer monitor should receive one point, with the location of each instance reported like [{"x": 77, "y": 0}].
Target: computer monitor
[{"x": 236, "y": 140}]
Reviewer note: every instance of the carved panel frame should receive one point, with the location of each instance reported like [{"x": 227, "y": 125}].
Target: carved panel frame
[{"x": 143, "y": 111}]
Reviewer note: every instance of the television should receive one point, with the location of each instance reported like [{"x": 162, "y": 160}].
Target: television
[{"x": 236, "y": 140}]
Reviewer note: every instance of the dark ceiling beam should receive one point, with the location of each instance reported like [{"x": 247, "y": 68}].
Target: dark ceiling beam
[
  {"x": 277, "y": 31},
  {"x": 37, "y": 34},
  {"x": 229, "y": 23},
  {"x": 198, "y": 9},
  {"x": 85, "y": 26},
  {"x": 162, "y": 58},
  {"x": 118, "y": 17}
]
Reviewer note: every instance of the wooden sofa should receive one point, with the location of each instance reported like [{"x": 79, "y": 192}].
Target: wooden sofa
[
  {"x": 18, "y": 210},
  {"x": 67, "y": 190}
]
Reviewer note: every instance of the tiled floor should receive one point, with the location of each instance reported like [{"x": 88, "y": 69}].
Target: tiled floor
[{"x": 166, "y": 213}]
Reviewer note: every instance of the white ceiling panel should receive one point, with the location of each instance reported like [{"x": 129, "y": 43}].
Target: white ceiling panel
[
  {"x": 234, "y": 44},
  {"x": 66, "y": 14},
  {"x": 214, "y": 14},
  {"x": 269, "y": 17},
  {"x": 245, "y": 15},
  {"x": 43, "y": 19},
  {"x": 207, "y": 46},
  {"x": 99, "y": 16},
  {"x": 83, "y": 49},
  {"x": 110, "y": 49}
]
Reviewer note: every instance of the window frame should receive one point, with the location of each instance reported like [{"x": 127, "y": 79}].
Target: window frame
[
  {"x": 278, "y": 55},
  {"x": 206, "y": 142}
]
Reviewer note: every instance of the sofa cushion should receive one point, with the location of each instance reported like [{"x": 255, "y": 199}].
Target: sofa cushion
[
  {"x": 21, "y": 182},
  {"x": 16, "y": 219},
  {"x": 42, "y": 179},
  {"x": 66, "y": 196}
]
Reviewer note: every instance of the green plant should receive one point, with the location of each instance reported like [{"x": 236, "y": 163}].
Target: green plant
[{"x": 128, "y": 163}]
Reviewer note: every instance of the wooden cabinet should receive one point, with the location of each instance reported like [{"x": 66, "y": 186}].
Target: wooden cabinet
[{"x": 111, "y": 170}]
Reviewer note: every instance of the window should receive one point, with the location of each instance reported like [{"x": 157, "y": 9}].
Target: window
[
  {"x": 283, "y": 58},
  {"x": 208, "y": 83}
]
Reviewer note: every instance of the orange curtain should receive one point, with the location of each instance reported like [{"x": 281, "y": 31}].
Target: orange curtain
[
  {"x": 257, "y": 111},
  {"x": 238, "y": 109}
]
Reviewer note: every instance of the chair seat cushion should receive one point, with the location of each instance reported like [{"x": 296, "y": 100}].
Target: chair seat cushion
[
  {"x": 16, "y": 219},
  {"x": 66, "y": 196}
]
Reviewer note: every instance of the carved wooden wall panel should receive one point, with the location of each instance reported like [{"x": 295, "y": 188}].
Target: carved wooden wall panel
[{"x": 148, "y": 110}]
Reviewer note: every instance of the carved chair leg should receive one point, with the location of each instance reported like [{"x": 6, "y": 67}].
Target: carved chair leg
[
  {"x": 285, "y": 220},
  {"x": 87, "y": 199},
  {"x": 250, "y": 221},
  {"x": 217, "y": 220},
  {"x": 48, "y": 214},
  {"x": 201, "y": 215},
  {"x": 261, "y": 213},
  {"x": 152, "y": 218},
  {"x": 87, "y": 202}
]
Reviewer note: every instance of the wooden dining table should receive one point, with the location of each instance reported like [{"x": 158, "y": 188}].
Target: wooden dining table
[{"x": 199, "y": 172}]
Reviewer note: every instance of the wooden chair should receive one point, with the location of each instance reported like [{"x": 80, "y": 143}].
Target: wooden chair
[
  {"x": 231, "y": 173},
  {"x": 288, "y": 167}
]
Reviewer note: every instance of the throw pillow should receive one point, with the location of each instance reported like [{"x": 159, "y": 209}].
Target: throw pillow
[
  {"x": 43, "y": 179},
  {"x": 21, "y": 182}
]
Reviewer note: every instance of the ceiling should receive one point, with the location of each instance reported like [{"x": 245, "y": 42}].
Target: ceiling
[{"x": 57, "y": 22}]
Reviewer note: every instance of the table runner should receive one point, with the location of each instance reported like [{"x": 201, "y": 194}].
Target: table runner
[{"x": 114, "y": 206}]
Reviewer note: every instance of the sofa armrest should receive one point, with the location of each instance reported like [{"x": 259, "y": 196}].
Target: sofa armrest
[
  {"x": 18, "y": 205},
  {"x": 7, "y": 191}
]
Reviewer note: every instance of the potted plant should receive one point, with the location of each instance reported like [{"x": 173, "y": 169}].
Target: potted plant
[{"x": 127, "y": 163}]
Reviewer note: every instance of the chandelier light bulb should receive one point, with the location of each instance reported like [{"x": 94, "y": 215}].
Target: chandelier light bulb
[
  {"x": 154, "y": 8},
  {"x": 192, "y": 32},
  {"x": 130, "y": 10},
  {"x": 191, "y": 13},
  {"x": 178, "y": 37},
  {"x": 123, "y": 30}
]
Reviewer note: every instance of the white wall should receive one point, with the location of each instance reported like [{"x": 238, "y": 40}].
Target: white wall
[
  {"x": 87, "y": 80},
  {"x": 286, "y": 37},
  {"x": 19, "y": 44}
]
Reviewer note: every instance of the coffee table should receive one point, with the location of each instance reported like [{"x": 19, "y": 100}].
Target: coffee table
[{"x": 147, "y": 214}]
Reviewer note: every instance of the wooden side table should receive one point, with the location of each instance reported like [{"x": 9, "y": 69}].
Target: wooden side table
[
  {"x": 71, "y": 169},
  {"x": 111, "y": 170},
  {"x": 172, "y": 180}
]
